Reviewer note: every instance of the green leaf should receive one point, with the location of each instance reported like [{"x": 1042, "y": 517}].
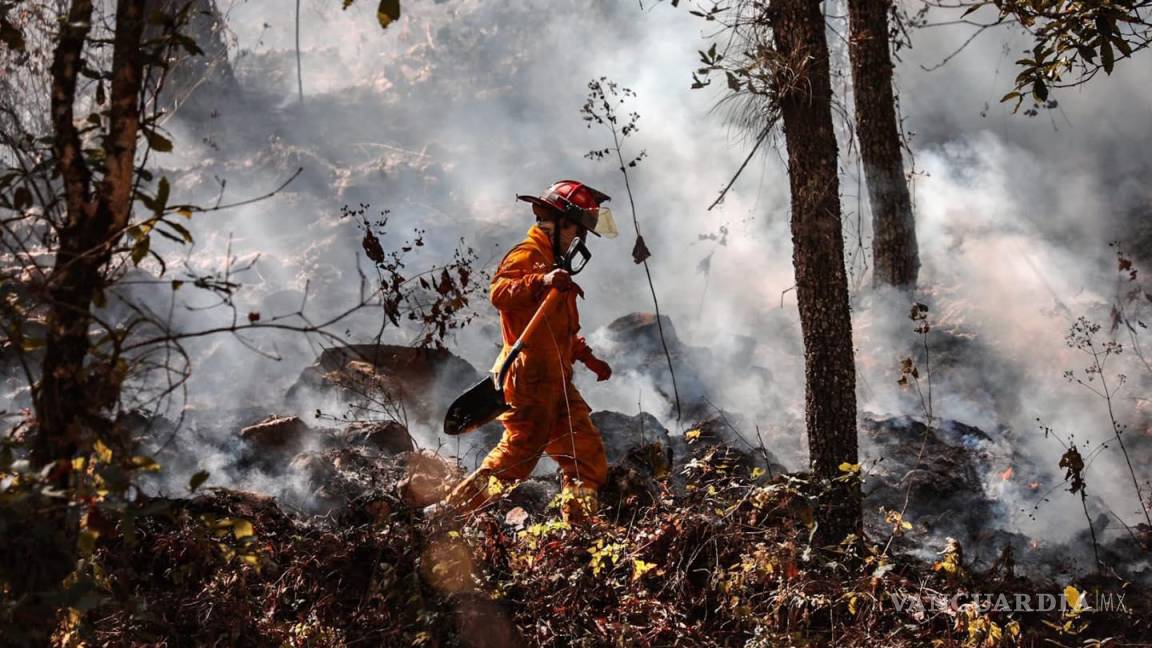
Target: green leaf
[
  {"x": 1107, "y": 56},
  {"x": 162, "y": 193},
  {"x": 149, "y": 202},
  {"x": 199, "y": 478},
  {"x": 387, "y": 12},
  {"x": 183, "y": 231},
  {"x": 1040, "y": 90},
  {"x": 140, "y": 250},
  {"x": 138, "y": 232},
  {"x": 733, "y": 82},
  {"x": 157, "y": 141},
  {"x": 1122, "y": 45},
  {"x": 160, "y": 262}
]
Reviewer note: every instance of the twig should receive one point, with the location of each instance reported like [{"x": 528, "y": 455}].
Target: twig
[
  {"x": 299, "y": 67},
  {"x": 755, "y": 147},
  {"x": 609, "y": 120},
  {"x": 218, "y": 207}
]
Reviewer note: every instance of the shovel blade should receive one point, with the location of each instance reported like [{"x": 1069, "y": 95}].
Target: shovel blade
[{"x": 479, "y": 405}]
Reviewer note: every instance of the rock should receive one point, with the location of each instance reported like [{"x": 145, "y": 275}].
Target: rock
[
  {"x": 425, "y": 381},
  {"x": 389, "y": 437},
  {"x": 721, "y": 436},
  {"x": 725, "y": 372},
  {"x": 633, "y": 343},
  {"x": 634, "y": 482},
  {"x": 945, "y": 483},
  {"x": 317, "y": 468},
  {"x": 516, "y": 518},
  {"x": 282, "y": 434},
  {"x": 534, "y": 494},
  {"x": 641, "y": 332},
  {"x": 622, "y": 433},
  {"x": 639, "y": 452},
  {"x": 324, "y": 487},
  {"x": 428, "y": 478}
]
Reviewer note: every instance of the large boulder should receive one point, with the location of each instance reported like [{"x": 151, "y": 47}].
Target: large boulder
[
  {"x": 423, "y": 381},
  {"x": 428, "y": 478},
  {"x": 641, "y": 331},
  {"x": 389, "y": 437},
  {"x": 704, "y": 375},
  {"x": 622, "y": 433},
  {"x": 534, "y": 495},
  {"x": 639, "y": 453},
  {"x": 633, "y": 343},
  {"x": 276, "y": 439},
  {"x": 941, "y": 469}
]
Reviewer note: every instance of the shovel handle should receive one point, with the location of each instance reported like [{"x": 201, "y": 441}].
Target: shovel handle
[{"x": 533, "y": 324}]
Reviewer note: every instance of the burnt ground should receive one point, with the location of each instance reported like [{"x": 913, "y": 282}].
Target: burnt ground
[{"x": 703, "y": 550}]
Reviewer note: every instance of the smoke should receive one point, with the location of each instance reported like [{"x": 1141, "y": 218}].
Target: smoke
[{"x": 460, "y": 105}]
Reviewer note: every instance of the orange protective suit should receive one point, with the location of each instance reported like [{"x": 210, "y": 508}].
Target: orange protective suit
[{"x": 547, "y": 412}]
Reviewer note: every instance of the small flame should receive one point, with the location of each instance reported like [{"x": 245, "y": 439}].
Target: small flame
[
  {"x": 1007, "y": 474},
  {"x": 1034, "y": 485}
]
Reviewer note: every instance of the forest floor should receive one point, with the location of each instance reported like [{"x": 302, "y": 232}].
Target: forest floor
[{"x": 717, "y": 555}]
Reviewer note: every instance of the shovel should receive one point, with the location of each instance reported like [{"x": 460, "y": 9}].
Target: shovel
[{"x": 484, "y": 401}]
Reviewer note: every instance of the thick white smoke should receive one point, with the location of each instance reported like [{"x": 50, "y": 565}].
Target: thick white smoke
[{"x": 462, "y": 104}]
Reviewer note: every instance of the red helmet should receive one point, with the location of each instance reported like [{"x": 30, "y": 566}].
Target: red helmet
[{"x": 580, "y": 203}]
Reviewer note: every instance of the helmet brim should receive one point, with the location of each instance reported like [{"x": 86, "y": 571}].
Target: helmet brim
[
  {"x": 538, "y": 201},
  {"x": 602, "y": 224}
]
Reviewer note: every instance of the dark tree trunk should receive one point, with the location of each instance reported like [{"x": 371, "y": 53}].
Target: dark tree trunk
[
  {"x": 74, "y": 392},
  {"x": 805, "y": 99},
  {"x": 71, "y": 396},
  {"x": 896, "y": 256}
]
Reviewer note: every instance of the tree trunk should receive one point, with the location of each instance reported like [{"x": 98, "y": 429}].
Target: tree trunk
[
  {"x": 896, "y": 256},
  {"x": 74, "y": 392},
  {"x": 805, "y": 100},
  {"x": 71, "y": 397}
]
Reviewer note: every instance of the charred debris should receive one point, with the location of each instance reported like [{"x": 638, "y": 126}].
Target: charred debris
[{"x": 705, "y": 539}]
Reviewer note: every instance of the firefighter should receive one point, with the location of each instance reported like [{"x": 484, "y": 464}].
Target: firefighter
[{"x": 546, "y": 411}]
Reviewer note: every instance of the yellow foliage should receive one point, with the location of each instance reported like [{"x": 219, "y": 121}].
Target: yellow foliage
[
  {"x": 604, "y": 552},
  {"x": 241, "y": 528},
  {"x": 639, "y": 568},
  {"x": 1074, "y": 597},
  {"x": 101, "y": 451}
]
